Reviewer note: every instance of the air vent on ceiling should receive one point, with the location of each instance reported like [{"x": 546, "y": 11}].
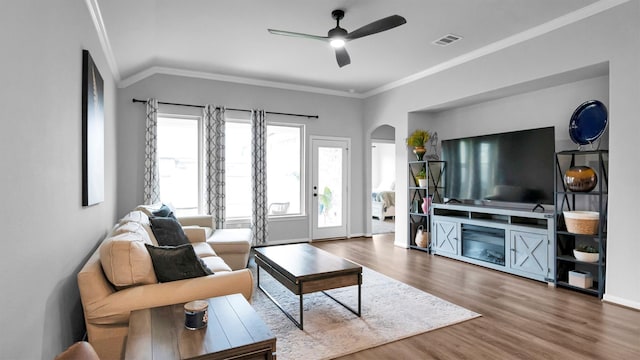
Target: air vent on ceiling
[{"x": 447, "y": 40}]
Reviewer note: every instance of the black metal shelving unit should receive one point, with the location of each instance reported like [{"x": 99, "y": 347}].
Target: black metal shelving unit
[
  {"x": 435, "y": 189},
  {"x": 595, "y": 200}
]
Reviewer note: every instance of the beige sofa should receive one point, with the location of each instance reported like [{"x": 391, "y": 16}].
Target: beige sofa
[{"x": 119, "y": 277}]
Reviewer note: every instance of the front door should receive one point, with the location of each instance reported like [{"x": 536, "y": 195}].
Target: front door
[{"x": 330, "y": 176}]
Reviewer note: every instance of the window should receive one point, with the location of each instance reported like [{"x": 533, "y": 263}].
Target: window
[
  {"x": 284, "y": 166},
  {"x": 284, "y": 169},
  {"x": 179, "y": 162}
]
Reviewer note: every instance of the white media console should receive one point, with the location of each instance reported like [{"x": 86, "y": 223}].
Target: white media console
[{"x": 513, "y": 240}]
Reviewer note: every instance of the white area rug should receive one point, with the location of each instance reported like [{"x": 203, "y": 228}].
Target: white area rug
[
  {"x": 382, "y": 227},
  {"x": 391, "y": 310}
]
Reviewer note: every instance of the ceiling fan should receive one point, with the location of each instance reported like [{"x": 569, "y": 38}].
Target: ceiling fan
[{"x": 338, "y": 36}]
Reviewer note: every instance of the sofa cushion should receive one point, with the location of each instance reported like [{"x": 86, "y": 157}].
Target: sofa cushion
[
  {"x": 134, "y": 227},
  {"x": 208, "y": 231},
  {"x": 231, "y": 241},
  {"x": 172, "y": 263},
  {"x": 125, "y": 260},
  {"x": 135, "y": 216},
  {"x": 168, "y": 231},
  {"x": 149, "y": 209},
  {"x": 203, "y": 249},
  {"x": 216, "y": 264}
]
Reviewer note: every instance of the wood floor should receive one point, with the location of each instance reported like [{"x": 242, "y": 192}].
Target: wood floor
[{"x": 521, "y": 318}]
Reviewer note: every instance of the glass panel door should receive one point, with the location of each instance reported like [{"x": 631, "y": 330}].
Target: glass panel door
[{"x": 329, "y": 188}]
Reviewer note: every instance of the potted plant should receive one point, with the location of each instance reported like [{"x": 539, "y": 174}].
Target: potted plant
[
  {"x": 417, "y": 139},
  {"x": 326, "y": 201},
  {"x": 586, "y": 253},
  {"x": 421, "y": 178}
]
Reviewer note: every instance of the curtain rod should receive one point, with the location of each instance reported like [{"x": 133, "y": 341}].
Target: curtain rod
[{"x": 232, "y": 109}]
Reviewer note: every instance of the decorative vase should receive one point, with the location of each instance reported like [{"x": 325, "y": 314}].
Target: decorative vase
[
  {"x": 426, "y": 204},
  {"x": 580, "y": 179},
  {"x": 419, "y": 151}
]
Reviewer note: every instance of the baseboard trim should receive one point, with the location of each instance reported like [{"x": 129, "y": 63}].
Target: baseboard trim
[
  {"x": 288, "y": 241},
  {"x": 403, "y": 245},
  {"x": 615, "y": 300}
]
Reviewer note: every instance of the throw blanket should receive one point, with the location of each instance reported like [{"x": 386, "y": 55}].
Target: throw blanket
[{"x": 387, "y": 198}]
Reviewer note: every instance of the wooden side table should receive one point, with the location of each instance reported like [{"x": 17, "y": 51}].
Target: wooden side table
[{"x": 234, "y": 331}]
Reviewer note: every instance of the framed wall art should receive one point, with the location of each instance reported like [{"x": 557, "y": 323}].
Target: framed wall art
[{"x": 92, "y": 132}]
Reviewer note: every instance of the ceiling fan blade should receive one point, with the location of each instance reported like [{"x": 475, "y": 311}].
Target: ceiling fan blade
[
  {"x": 342, "y": 56},
  {"x": 295, "y": 34},
  {"x": 377, "y": 26}
]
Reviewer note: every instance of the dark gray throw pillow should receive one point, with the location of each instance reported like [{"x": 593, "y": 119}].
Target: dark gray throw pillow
[
  {"x": 163, "y": 211},
  {"x": 171, "y": 263},
  {"x": 168, "y": 231}
]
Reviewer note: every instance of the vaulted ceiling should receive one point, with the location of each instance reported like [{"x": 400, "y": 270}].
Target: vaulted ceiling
[{"x": 228, "y": 39}]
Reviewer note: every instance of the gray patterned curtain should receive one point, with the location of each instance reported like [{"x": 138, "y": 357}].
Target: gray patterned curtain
[
  {"x": 151, "y": 193},
  {"x": 214, "y": 120},
  {"x": 259, "y": 176}
]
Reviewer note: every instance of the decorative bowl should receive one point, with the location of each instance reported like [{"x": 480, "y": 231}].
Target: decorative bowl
[
  {"x": 585, "y": 256},
  {"x": 582, "y": 222},
  {"x": 580, "y": 179}
]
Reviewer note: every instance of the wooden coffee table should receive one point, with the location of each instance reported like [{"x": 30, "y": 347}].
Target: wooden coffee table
[
  {"x": 234, "y": 331},
  {"x": 304, "y": 269}
]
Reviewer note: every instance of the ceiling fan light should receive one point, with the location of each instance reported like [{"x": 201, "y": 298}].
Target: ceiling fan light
[{"x": 337, "y": 43}]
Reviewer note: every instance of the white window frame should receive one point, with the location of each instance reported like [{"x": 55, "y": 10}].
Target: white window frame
[
  {"x": 285, "y": 217},
  {"x": 303, "y": 197},
  {"x": 201, "y": 190},
  {"x": 201, "y": 165}
]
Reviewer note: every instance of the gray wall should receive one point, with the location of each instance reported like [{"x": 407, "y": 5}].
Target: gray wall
[
  {"x": 339, "y": 116},
  {"x": 546, "y": 107},
  {"x": 46, "y": 233},
  {"x": 383, "y": 164},
  {"x": 611, "y": 37},
  {"x": 384, "y": 132}
]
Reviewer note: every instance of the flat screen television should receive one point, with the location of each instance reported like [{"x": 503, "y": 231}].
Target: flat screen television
[{"x": 513, "y": 167}]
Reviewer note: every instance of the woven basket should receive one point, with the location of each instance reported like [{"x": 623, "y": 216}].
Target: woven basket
[
  {"x": 422, "y": 237},
  {"x": 582, "y": 222}
]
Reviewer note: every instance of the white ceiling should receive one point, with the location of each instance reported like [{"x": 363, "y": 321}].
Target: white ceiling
[{"x": 228, "y": 39}]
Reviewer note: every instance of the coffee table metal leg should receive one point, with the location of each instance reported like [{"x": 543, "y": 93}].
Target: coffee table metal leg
[
  {"x": 298, "y": 324},
  {"x": 359, "y": 312},
  {"x": 301, "y": 312}
]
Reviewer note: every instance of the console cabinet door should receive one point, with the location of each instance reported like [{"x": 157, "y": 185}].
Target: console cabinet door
[
  {"x": 446, "y": 237},
  {"x": 529, "y": 252}
]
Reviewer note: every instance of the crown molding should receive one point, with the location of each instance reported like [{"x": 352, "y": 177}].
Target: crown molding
[
  {"x": 101, "y": 30},
  {"x": 233, "y": 79},
  {"x": 534, "y": 32},
  {"x": 578, "y": 15}
]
